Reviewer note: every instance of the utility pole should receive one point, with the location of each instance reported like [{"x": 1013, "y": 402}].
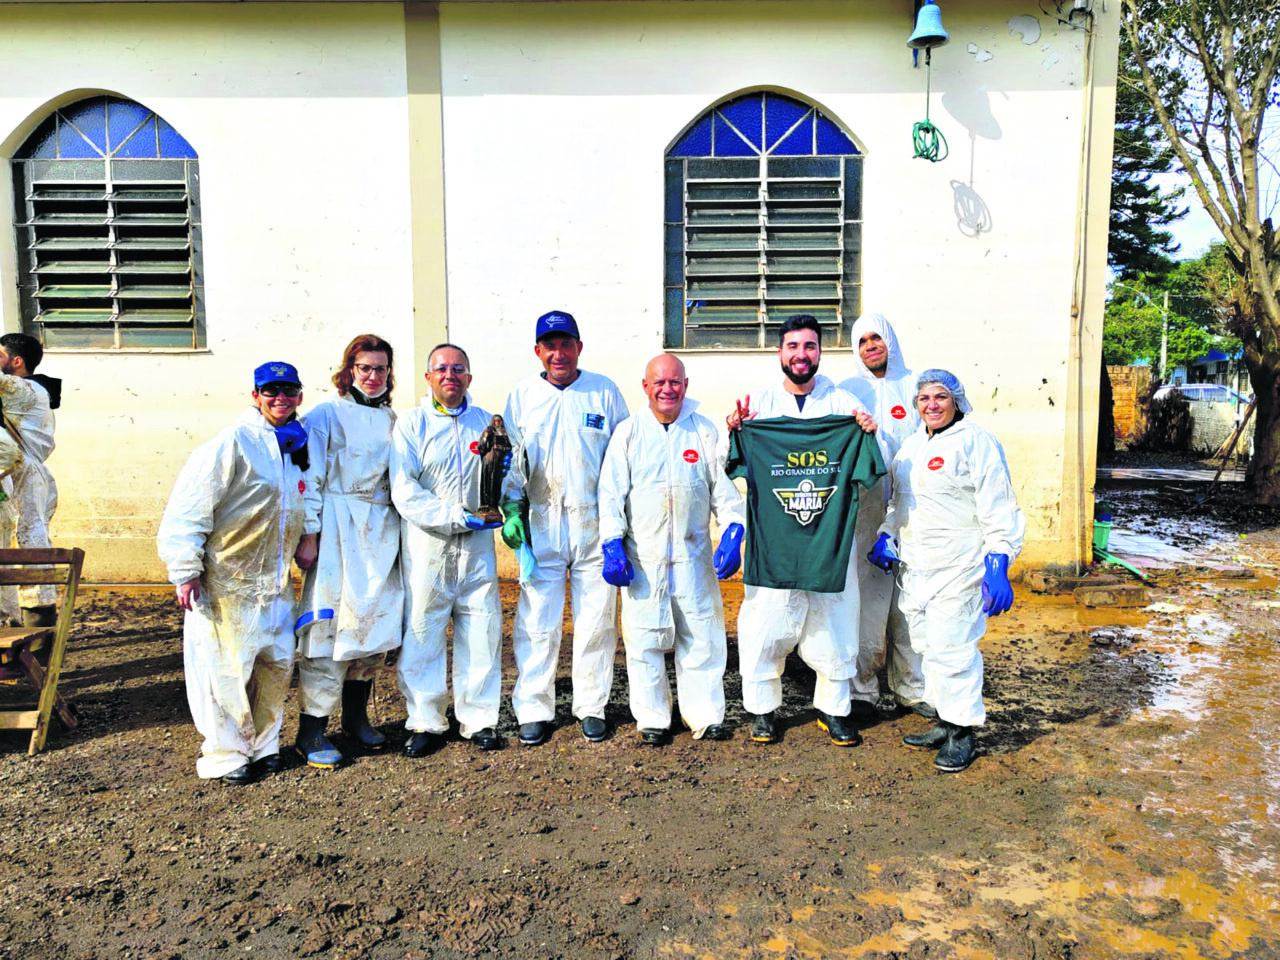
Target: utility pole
[{"x": 1164, "y": 337}]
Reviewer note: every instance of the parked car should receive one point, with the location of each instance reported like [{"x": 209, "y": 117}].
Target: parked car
[{"x": 1203, "y": 392}]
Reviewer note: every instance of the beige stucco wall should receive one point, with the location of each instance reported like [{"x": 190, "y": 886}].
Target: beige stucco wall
[
  {"x": 298, "y": 114},
  {"x": 320, "y": 130},
  {"x": 556, "y": 120}
]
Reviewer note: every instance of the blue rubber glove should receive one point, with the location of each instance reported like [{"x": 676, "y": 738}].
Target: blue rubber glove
[
  {"x": 997, "y": 593},
  {"x": 728, "y": 556},
  {"x": 617, "y": 568},
  {"x": 882, "y": 555},
  {"x": 478, "y": 523}
]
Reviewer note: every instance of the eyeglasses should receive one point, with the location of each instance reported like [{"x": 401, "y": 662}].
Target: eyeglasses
[
  {"x": 290, "y": 390},
  {"x": 457, "y": 369},
  {"x": 364, "y": 369}
]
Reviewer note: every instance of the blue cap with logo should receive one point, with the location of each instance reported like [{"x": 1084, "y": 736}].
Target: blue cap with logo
[
  {"x": 557, "y": 323},
  {"x": 275, "y": 371}
]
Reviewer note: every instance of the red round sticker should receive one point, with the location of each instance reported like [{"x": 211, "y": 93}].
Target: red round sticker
[
  {"x": 898, "y": 413},
  {"x": 935, "y": 463},
  {"x": 302, "y": 486},
  {"x": 475, "y": 447},
  {"x": 690, "y": 456}
]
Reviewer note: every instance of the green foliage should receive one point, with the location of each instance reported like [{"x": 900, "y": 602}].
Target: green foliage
[{"x": 1135, "y": 318}]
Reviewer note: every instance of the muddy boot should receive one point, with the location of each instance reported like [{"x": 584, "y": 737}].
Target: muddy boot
[
  {"x": 932, "y": 739},
  {"x": 355, "y": 715},
  {"x": 958, "y": 752},
  {"x": 314, "y": 745},
  {"x": 44, "y": 616}
]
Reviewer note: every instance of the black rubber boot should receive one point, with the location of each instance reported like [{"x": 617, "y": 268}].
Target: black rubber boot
[
  {"x": 355, "y": 715},
  {"x": 314, "y": 745},
  {"x": 931, "y": 739},
  {"x": 959, "y": 750},
  {"x": 35, "y": 617}
]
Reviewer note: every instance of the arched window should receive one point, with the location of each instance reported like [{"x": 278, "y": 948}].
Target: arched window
[
  {"x": 763, "y": 220},
  {"x": 108, "y": 218}
]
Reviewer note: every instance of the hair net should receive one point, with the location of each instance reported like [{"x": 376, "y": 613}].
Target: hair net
[{"x": 950, "y": 382}]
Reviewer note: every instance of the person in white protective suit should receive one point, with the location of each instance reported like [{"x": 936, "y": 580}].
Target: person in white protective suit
[
  {"x": 659, "y": 486},
  {"x": 955, "y": 523},
  {"x": 28, "y": 401},
  {"x": 560, "y": 423},
  {"x": 235, "y": 518},
  {"x": 822, "y": 627},
  {"x": 450, "y": 567},
  {"x": 11, "y": 457},
  {"x": 884, "y": 385},
  {"x": 353, "y": 598}
]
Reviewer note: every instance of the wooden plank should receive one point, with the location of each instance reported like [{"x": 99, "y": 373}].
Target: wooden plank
[
  {"x": 37, "y": 555},
  {"x": 19, "y": 719},
  {"x": 25, "y": 575}
]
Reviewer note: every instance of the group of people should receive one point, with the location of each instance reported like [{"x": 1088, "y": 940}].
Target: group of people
[{"x": 392, "y": 521}]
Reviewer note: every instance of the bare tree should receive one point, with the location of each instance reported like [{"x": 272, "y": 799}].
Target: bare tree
[{"x": 1208, "y": 69}]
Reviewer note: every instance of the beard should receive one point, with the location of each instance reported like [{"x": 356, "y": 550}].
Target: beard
[{"x": 799, "y": 379}]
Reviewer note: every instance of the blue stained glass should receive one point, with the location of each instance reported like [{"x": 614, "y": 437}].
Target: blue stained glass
[
  {"x": 172, "y": 143},
  {"x": 728, "y": 143},
  {"x": 780, "y": 115},
  {"x": 71, "y": 144},
  {"x": 90, "y": 116},
  {"x": 40, "y": 145},
  {"x": 141, "y": 144},
  {"x": 831, "y": 139},
  {"x": 695, "y": 143},
  {"x": 799, "y": 143},
  {"x": 123, "y": 117},
  {"x": 744, "y": 113}
]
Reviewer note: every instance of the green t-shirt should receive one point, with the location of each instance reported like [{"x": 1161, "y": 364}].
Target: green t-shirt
[{"x": 802, "y": 497}]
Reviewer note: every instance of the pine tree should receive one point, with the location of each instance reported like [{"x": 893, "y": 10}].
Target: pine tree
[{"x": 1139, "y": 208}]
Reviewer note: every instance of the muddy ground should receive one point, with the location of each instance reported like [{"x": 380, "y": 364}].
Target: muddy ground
[{"x": 1126, "y": 805}]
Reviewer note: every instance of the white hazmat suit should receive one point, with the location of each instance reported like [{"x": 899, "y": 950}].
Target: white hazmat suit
[
  {"x": 953, "y": 503},
  {"x": 234, "y": 519},
  {"x": 823, "y": 627},
  {"x": 560, "y": 438},
  {"x": 892, "y": 401},
  {"x": 658, "y": 489},
  {"x": 355, "y": 592},
  {"x": 35, "y": 495},
  {"x": 450, "y": 570}
]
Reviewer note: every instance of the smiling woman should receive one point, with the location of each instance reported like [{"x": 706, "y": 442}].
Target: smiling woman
[{"x": 243, "y": 505}]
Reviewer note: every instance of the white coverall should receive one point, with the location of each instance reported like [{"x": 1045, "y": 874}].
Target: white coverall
[
  {"x": 892, "y": 401},
  {"x": 658, "y": 489},
  {"x": 10, "y": 459},
  {"x": 357, "y": 573},
  {"x": 953, "y": 503},
  {"x": 234, "y": 519},
  {"x": 822, "y": 626},
  {"x": 561, "y": 437},
  {"x": 35, "y": 495},
  {"x": 450, "y": 571}
]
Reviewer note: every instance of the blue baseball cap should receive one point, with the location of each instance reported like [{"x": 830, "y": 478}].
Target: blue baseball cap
[
  {"x": 275, "y": 371},
  {"x": 557, "y": 323}
]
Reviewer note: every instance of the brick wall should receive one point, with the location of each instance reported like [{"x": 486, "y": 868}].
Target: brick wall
[{"x": 1127, "y": 385}]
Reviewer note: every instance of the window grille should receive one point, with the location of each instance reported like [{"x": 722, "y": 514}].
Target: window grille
[
  {"x": 107, "y": 201},
  {"x": 763, "y": 221}
]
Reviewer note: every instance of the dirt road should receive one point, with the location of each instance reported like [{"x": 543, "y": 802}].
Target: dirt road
[{"x": 1126, "y": 806}]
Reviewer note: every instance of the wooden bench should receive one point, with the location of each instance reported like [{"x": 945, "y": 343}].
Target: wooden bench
[{"x": 34, "y": 654}]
